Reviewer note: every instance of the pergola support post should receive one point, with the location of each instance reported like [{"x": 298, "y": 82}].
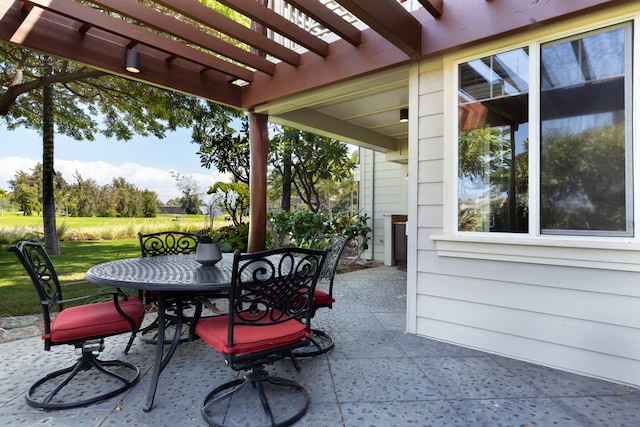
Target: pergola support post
[{"x": 259, "y": 143}]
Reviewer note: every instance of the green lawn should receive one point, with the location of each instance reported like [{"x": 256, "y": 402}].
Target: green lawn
[
  {"x": 17, "y": 294},
  {"x": 14, "y": 225},
  {"x": 85, "y": 243}
]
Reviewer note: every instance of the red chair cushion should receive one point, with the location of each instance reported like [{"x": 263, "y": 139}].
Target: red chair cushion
[
  {"x": 321, "y": 298},
  {"x": 248, "y": 339},
  {"x": 95, "y": 320}
]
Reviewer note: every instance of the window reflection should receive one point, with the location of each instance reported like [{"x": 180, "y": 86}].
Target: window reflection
[
  {"x": 583, "y": 133},
  {"x": 493, "y": 143}
]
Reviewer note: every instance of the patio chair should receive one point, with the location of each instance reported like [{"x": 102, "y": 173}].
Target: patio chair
[
  {"x": 85, "y": 327},
  {"x": 173, "y": 243},
  {"x": 161, "y": 244},
  {"x": 321, "y": 342},
  {"x": 270, "y": 293}
]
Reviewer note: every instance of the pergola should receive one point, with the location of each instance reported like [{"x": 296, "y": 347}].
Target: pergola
[{"x": 339, "y": 68}]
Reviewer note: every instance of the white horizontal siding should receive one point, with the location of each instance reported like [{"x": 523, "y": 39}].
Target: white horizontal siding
[
  {"x": 579, "y": 319},
  {"x": 572, "y": 359},
  {"x": 389, "y": 197}
]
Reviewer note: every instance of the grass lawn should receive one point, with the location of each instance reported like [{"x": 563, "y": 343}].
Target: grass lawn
[
  {"x": 85, "y": 242},
  {"x": 14, "y": 224},
  {"x": 17, "y": 294}
]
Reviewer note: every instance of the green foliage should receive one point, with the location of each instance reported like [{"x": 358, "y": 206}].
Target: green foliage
[
  {"x": 234, "y": 199},
  {"x": 303, "y": 225},
  {"x": 82, "y": 94},
  {"x": 190, "y": 201},
  {"x": 15, "y": 227},
  {"x": 84, "y": 197},
  {"x": 308, "y": 161},
  {"x": 237, "y": 236},
  {"x": 583, "y": 179},
  {"x": 209, "y": 236},
  {"x": 221, "y": 145},
  {"x": 306, "y": 224},
  {"x": 498, "y": 179},
  {"x": 354, "y": 226}
]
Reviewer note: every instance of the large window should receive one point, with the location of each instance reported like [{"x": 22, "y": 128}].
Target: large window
[{"x": 584, "y": 174}]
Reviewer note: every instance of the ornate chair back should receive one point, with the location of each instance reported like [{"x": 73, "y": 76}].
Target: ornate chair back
[
  {"x": 167, "y": 243},
  {"x": 84, "y": 327}
]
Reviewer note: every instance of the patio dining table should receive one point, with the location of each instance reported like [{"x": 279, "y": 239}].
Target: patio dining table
[{"x": 165, "y": 275}]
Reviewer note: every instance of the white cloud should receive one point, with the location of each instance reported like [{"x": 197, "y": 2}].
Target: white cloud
[{"x": 143, "y": 177}]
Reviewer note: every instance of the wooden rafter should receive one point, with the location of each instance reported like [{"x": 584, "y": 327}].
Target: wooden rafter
[
  {"x": 204, "y": 15},
  {"x": 136, "y": 34},
  {"x": 390, "y": 20},
  {"x": 434, "y": 7},
  {"x": 329, "y": 19},
  {"x": 265, "y": 16},
  {"x": 182, "y": 30}
]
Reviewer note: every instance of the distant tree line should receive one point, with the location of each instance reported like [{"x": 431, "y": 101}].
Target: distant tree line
[{"x": 84, "y": 197}]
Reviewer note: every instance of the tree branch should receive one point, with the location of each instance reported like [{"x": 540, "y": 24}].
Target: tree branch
[{"x": 8, "y": 98}]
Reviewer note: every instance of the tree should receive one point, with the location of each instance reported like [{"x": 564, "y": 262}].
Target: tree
[
  {"x": 3, "y": 195},
  {"x": 221, "y": 145},
  {"x": 25, "y": 193},
  {"x": 233, "y": 197},
  {"x": 312, "y": 159},
  {"x": 190, "y": 200},
  {"x": 84, "y": 196},
  {"x": 34, "y": 83}
]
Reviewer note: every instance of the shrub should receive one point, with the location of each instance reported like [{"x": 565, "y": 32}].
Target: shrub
[
  {"x": 302, "y": 225},
  {"x": 237, "y": 236}
]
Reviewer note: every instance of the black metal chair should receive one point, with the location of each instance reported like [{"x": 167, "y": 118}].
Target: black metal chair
[
  {"x": 167, "y": 243},
  {"x": 321, "y": 342},
  {"x": 161, "y": 244},
  {"x": 270, "y": 312},
  {"x": 173, "y": 243},
  {"x": 85, "y": 327}
]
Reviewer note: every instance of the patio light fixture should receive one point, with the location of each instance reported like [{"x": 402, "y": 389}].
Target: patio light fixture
[
  {"x": 132, "y": 61},
  {"x": 404, "y": 115},
  {"x": 239, "y": 82}
]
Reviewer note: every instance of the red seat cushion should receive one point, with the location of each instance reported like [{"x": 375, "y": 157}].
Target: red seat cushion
[
  {"x": 248, "y": 339},
  {"x": 321, "y": 298},
  {"x": 95, "y": 320}
]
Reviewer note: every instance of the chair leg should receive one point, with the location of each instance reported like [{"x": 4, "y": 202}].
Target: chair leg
[
  {"x": 149, "y": 334},
  {"x": 58, "y": 390},
  {"x": 282, "y": 402},
  {"x": 319, "y": 343}
]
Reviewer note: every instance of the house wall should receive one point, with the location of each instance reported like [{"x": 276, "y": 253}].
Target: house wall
[
  {"x": 569, "y": 303},
  {"x": 383, "y": 192}
]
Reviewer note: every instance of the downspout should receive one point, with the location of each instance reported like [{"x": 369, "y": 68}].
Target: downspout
[{"x": 368, "y": 199}]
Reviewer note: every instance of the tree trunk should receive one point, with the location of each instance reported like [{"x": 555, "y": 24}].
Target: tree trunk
[
  {"x": 48, "y": 203},
  {"x": 285, "y": 204}
]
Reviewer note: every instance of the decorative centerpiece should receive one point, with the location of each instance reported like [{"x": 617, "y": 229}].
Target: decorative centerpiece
[{"x": 208, "y": 250}]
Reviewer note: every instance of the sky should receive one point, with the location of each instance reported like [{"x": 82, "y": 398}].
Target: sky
[{"x": 144, "y": 162}]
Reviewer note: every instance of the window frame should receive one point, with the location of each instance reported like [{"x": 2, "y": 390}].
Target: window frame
[{"x": 592, "y": 251}]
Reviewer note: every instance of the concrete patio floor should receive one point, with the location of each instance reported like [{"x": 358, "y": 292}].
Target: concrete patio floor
[{"x": 376, "y": 376}]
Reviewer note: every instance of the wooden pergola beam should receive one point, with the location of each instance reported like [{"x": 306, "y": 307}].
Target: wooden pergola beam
[
  {"x": 391, "y": 21},
  {"x": 434, "y": 7},
  {"x": 269, "y": 19},
  {"x": 329, "y": 19},
  {"x": 182, "y": 30},
  {"x": 204, "y": 15},
  {"x": 109, "y": 24},
  {"x": 47, "y": 32}
]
